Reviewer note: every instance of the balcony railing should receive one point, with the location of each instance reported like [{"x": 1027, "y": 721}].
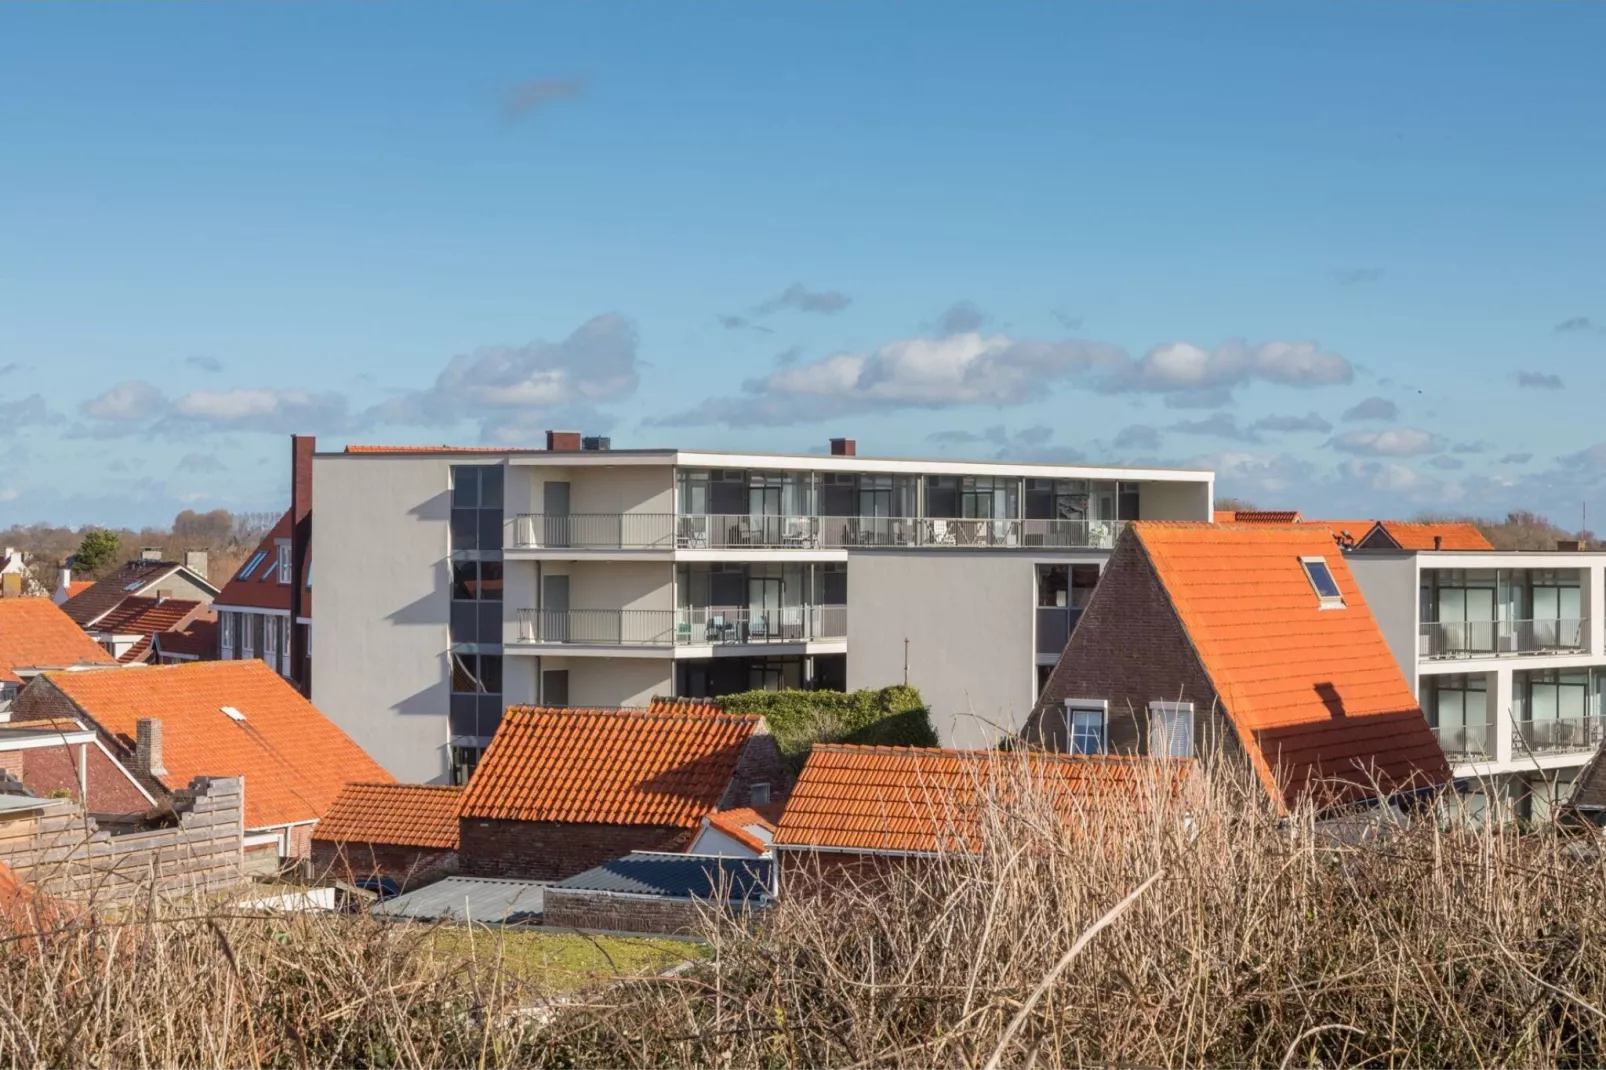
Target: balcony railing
[
  {"x": 1473, "y": 742},
  {"x": 721, "y": 531},
  {"x": 1503, "y": 638},
  {"x": 1558, "y": 735},
  {"x": 699, "y": 625}
]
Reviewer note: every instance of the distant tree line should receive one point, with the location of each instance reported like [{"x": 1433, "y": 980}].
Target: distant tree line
[{"x": 94, "y": 551}]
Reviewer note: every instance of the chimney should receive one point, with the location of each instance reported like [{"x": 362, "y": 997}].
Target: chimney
[
  {"x": 195, "y": 561},
  {"x": 1569, "y": 546},
  {"x": 302, "y": 448},
  {"x": 65, "y": 578},
  {"x": 150, "y": 553},
  {"x": 566, "y": 441},
  {"x": 1438, "y": 542},
  {"x": 148, "y": 747},
  {"x": 844, "y": 447}
]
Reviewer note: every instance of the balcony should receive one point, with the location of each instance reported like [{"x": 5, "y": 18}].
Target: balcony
[
  {"x": 1467, "y": 743},
  {"x": 1560, "y": 735},
  {"x": 1503, "y": 638},
  {"x": 728, "y": 531},
  {"x": 694, "y": 626}
]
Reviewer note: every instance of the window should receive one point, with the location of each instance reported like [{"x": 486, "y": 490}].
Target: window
[
  {"x": 1085, "y": 725},
  {"x": 476, "y": 613},
  {"x": 477, "y": 508},
  {"x": 251, "y": 565},
  {"x": 284, "y": 562},
  {"x": 1321, "y": 580},
  {"x": 476, "y": 702},
  {"x": 554, "y": 687},
  {"x": 464, "y": 761},
  {"x": 1171, "y": 729},
  {"x": 225, "y": 624},
  {"x": 759, "y": 793}
]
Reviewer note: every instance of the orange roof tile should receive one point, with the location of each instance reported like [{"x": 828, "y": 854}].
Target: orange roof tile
[
  {"x": 735, "y": 824},
  {"x": 413, "y": 815},
  {"x": 616, "y": 767},
  {"x": 915, "y": 800},
  {"x": 35, "y": 633},
  {"x": 136, "y": 654},
  {"x": 196, "y": 639},
  {"x": 1313, "y": 693},
  {"x": 294, "y": 759},
  {"x": 1409, "y": 535},
  {"x": 689, "y": 706},
  {"x": 1257, "y": 516},
  {"x": 144, "y": 615}
]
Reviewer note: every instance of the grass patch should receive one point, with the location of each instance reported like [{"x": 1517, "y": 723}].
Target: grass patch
[{"x": 564, "y": 961}]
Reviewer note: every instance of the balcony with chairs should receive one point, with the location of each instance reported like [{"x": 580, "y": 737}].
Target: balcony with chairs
[
  {"x": 1503, "y": 638},
  {"x": 691, "y": 626}
]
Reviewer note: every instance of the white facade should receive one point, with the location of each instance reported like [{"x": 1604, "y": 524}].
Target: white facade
[
  {"x": 1506, "y": 652},
  {"x": 604, "y": 578}
]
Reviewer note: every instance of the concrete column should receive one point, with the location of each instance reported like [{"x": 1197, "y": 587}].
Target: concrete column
[
  {"x": 1499, "y": 683},
  {"x": 1596, "y": 577}
]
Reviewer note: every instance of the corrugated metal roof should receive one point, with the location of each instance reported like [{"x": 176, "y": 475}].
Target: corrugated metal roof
[
  {"x": 677, "y": 876},
  {"x": 485, "y": 900}
]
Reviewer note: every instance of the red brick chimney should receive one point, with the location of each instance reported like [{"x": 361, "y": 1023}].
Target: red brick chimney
[
  {"x": 844, "y": 447},
  {"x": 302, "y": 448},
  {"x": 567, "y": 441},
  {"x": 148, "y": 747}
]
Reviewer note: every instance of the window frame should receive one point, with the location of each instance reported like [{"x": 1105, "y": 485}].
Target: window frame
[
  {"x": 284, "y": 562},
  {"x": 1324, "y": 600},
  {"x": 1171, "y": 708},
  {"x": 256, "y": 559},
  {"x": 1098, "y": 706}
]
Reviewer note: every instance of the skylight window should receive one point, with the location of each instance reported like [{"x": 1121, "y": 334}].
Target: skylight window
[
  {"x": 251, "y": 565},
  {"x": 1321, "y": 580},
  {"x": 232, "y": 713}
]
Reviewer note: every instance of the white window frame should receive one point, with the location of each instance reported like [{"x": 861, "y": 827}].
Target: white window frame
[
  {"x": 1099, "y": 706},
  {"x": 1161, "y": 710},
  {"x": 1326, "y": 601},
  {"x": 270, "y": 640},
  {"x": 756, "y": 790},
  {"x": 226, "y": 635},
  {"x": 246, "y": 651},
  {"x": 284, "y": 563}
]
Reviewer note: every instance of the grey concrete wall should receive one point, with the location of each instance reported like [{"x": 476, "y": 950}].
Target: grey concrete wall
[
  {"x": 379, "y": 641},
  {"x": 1174, "y": 501},
  {"x": 608, "y": 682},
  {"x": 969, "y": 618},
  {"x": 1389, "y": 583},
  {"x": 625, "y": 489},
  {"x": 619, "y": 584}
]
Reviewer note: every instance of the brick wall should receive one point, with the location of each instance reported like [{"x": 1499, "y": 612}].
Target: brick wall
[
  {"x": 614, "y": 913},
  {"x": 806, "y": 872},
  {"x": 409, "y": 867},
  {"x": 50, "y": 769},
  {"x": 542, "y": 850},
  {"x": 1130, "y": 649},
  {"x": 11, "y": 763},
  {"x": 760, "y": 762}
]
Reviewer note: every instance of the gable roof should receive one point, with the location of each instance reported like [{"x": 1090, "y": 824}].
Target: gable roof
[
  {"x": 687, "y": 706},
  {"x": 144, "y": 615},
  {"x": 677, "y": 876},
  {"x": 87, "y": 607},
  {"x": 412, "y": 815},
  {"x": 911, "y": 800},
  {"x": 197, "y": 639},
  {"x": 1313, "y": 693},
  {"x": 294, "y": 759},
  {"x": 35, "y": 633},
  {"x": 262, "y": 589},
  {"x": 1406, "y": 535},
  {"x": 738, "y": 824},
  {"x": 612, "y": 767}
]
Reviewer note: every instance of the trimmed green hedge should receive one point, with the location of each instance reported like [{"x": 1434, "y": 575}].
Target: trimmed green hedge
[{"x": 890, "y": 717}]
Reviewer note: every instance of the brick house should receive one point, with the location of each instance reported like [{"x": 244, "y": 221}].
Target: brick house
[
  {"x": 404, "y": 833},
  {"x": 1251, "y": 638},
  {"x": 169, "y": 724},
  {"x": 562, "y": 790}
]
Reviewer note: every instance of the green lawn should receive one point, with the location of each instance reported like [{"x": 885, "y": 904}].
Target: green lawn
[{"x": 560, "y": 961}]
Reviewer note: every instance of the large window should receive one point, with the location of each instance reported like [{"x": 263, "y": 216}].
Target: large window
[
  {"x": 1171, "y": 729},
  {"x": 476, "y": 601},
  {"x": 476, "y": 707},
  {"x": 1457, "y": 708},
  {"x": 477, "y": 508},
  {"x": 1085, "y": 725}
]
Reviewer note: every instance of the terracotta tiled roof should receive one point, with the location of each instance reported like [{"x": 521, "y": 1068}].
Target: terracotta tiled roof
[
  {"x": 197, "y": 639},
  {"x": 735, "y": 824},
  {"x": 1419, "y": 536},
  {"x": 688, "y": 706},
  {"x": 137, "y": 654},
  {"x": 106, "y": 595},
  {"x": 415, "y": 815},
  {"x": 1313, "y": 693},
  {"x": 35, "y": 633},
  {"x": 262, "y": 589},
  {"x": 1357, "y": 530},
  {"x": 143, "y": 615},
  {"x": 78, "y": 587},
  {"x": 612, "y": 767},
  {"x": 907, "y": 799},
  {"x": 1257, "y": 516},
  {"x": 294, "y": 759}
]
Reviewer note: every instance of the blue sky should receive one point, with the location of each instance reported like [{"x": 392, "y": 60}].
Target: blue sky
[{"x": 1351, "y": 256}]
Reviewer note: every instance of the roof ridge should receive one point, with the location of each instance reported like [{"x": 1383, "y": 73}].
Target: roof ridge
[{"x": 634, "y": 713}]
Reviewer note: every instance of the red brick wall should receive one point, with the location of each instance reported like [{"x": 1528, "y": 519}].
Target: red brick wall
[
  {"x": 542, "y": 850},
  {"x": 1130, "y": 649},
  {"x": 760, "y": 761},
  {"x": 49, "y": 769},
  {"x": 596, "y": 910},
  {"x": 409, "y": 867},
  {"x": 11, "y": 763},
  {"x": 806, "y": 872}
]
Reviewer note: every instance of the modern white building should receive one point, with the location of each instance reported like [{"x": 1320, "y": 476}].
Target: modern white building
[
  {"x": 454, "y": 582},
  {"x": 1505, "y": 652}
]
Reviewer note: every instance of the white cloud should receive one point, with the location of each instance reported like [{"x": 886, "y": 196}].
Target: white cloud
[
  {"x": 1372, "y": 408},
  {"x": 1309, "y": 422},
  {"x": 131, "y": 401},
  {"x": 1402, "y": 442}
]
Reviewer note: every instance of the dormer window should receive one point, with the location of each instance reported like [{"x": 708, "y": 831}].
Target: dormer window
[
  {"x": 284, "y": 562},
  {"x": 1322, "y": 582}
]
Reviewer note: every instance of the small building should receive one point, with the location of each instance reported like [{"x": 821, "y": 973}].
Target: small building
[
  {"x": 129, "y": 631},
  {"x": 149, "y": 577},
  {"x": 255, "y": 612},
  {"x": 658, "y": 892},
  {"x": 64, "y": 758},
  {"x": 562, "y": 790},
  {"x": 35, "y": 635},
  {"x": 1251, "y": 638},
  {"x": 169, "y": 724},
  {"x": 739, "y": 833},
  {"x": 402, "y": 833}
]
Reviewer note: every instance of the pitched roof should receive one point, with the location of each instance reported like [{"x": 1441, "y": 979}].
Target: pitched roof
[
  {"x": 414, "y": 815},
  {"x": 197, "y": 639},
  {"x": 261, "y": 589},
  {"x": 1313, "y": 693},
  {"x": 35, "y": 633},
  {"x": 617, "y": 767},
  {"x": 1257, "y": 516},
  {"x": 676, "y": 876},
  {"x": 108, "y": 593},
  {"x": 144, "y": 615},
  {"x": 294, "y": 759},
  {"x": 1457, "y": 535},
  {"x": 137, "y": 654},
  {"x": 925, "y": 800},
  {"x": 738, "y": 823},
  {"x": 689, "y": 706}
]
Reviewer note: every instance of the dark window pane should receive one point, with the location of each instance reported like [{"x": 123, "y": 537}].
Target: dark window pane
[
  {"x": 465, "y": 580},
  {"x": 490, "y": 714},
  {"x": 555, "y": 687},
  {"x": 490, "y": 581},
  {"x": 465, "y": 623},
  {"x": 490, "y": 622},
  {"x": 490, "y": 524},
  {"x": 465, "y": 676},
  {"x": 465, "y": 486},
  {"x": 465, "y": 529},
  {"x": 491, "y": 487},
  {"x": 464, "y": 718},
  {"x": 1126, "y": 501},
  {"x": 491, "y": 673}
]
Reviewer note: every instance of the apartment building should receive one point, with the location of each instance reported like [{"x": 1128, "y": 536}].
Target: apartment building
[
  {"x": 457, "y": 581},
  {"x": 1505, "y": 652}
]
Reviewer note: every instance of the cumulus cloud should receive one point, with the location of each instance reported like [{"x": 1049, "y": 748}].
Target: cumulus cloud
[
  {"x": 1372, "y": 408},
  {"x": 131, "y": 401},
  {"x": 1404, "y": 442},
  {"x": 1357, "y": 276},
  {"x": 799, "y": 298},
  {"x": 1257, "y": 474},
  {"x": 1539, "y": 380},
  {"x": 1309, "y": 422},
  {"x": 1575, "y": 324},
  {"x": 135, "y": 406},
  {"x": 524, "y": 100},
  {"x": 205, "y": 364},
  {"x": 30, "y": 411},
  {"x": 1029, "y": 443},
  {"x": 1138, "y": 437},
  {"x": 961, "y": 317}
]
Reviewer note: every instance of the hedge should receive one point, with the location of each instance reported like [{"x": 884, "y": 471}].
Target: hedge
[{"x": 890, "y": 717}]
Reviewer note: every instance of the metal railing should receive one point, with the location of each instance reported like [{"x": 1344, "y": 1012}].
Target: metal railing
[
  {"x": 595, "y": 531},
  {"x": 1473, "y": 742},
  {"x": 1503, "y": 638},
  {"x": 698, "y": 625},
  {"x": 720, "y": 531},
  {"x": 1561, "y": 734}
]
